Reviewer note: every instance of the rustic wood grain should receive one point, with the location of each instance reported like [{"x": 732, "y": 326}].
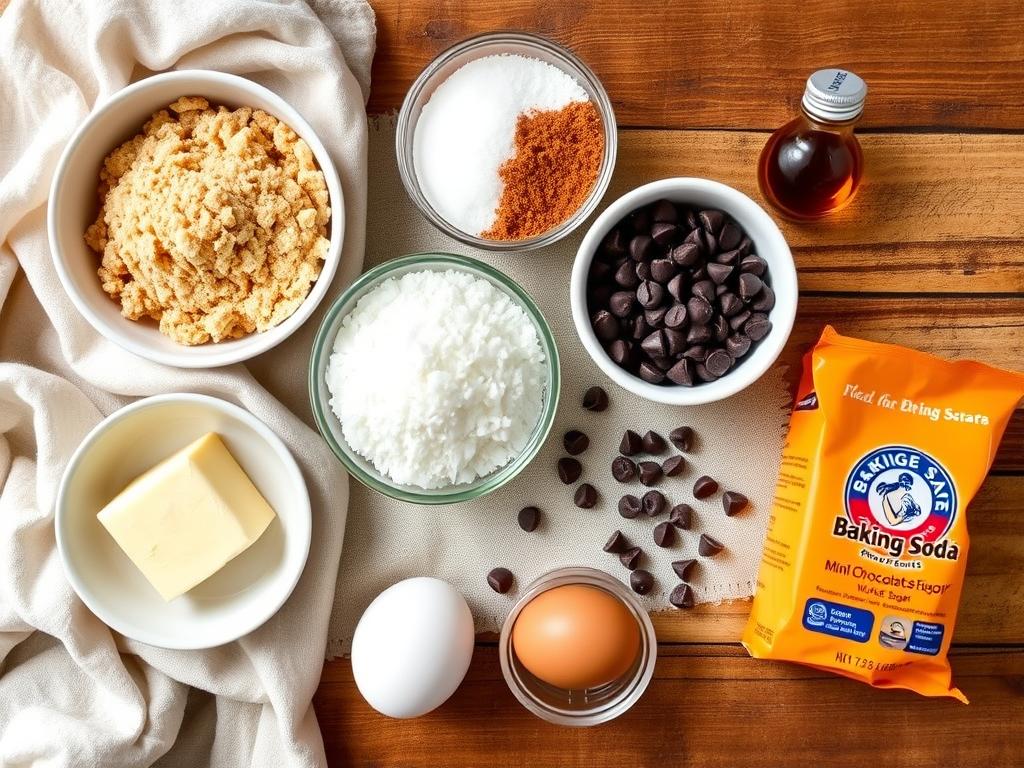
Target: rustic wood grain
[
  {"x": 708, "y": 706},
  {"x": 935, "y": 213},
  {"x": 742, "y": 64}
]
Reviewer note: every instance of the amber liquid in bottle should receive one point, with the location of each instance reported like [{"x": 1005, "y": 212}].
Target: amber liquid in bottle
[{"x": 809, "y": 169}]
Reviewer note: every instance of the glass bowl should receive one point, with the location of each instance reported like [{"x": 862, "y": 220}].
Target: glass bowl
[
  {"x": 330, "y": 426},
  {"x": 592, "y": 706},
  {"x": 441, "y": 68}
]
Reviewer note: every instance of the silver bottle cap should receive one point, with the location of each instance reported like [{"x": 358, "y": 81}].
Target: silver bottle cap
[{"x": 834, "y": 95}]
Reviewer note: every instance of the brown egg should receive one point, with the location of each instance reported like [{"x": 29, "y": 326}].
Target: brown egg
[{"x": 576, "y": 636}]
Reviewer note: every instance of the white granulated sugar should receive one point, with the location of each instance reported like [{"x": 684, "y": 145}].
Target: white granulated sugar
[
  {"x": 437, "y": 378},
  {"x": 467, "y": 130}
]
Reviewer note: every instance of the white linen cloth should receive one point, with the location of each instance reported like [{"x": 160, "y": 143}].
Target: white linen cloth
[{"x": 71, "y": 691}]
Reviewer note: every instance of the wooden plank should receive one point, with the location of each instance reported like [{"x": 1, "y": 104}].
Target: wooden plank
[
  {"x": 708, "y": 706},
  {"x": 742, "y": 64},
  {"x": 936, "y": 212}
]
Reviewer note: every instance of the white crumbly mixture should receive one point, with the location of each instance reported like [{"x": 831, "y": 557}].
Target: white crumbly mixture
[{"x": 437, "y": 378}]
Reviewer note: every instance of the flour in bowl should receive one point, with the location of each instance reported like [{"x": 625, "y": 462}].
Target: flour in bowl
[{"x": 437, "y": 378}]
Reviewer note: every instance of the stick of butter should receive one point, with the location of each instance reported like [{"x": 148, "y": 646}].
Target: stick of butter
[{"x": 185, "y": 518}]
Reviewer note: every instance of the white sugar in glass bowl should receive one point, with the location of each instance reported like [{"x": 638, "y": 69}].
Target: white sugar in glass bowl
[
  {"x": 74, "y": 204},
  {"x": 768, "y": 243},
  {"x": 235, "y": 600}
]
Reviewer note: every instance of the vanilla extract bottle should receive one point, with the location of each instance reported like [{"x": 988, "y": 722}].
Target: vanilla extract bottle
[{"x": 812, "y": 165}]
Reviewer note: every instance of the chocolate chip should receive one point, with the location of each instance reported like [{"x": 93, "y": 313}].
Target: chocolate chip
[
  {"x": 673, "y": 465},
  {"x": 745, "y": 246},
  {"x": 720, "y": 328},
  {"x": 663, "y": 363},
  {"x": 728, "y": 257},
  {"x": 642, "y": 271},
  {"x": 738, "y": 321},
  {"x": 719, "y": 273},
  {"x": 686, "y": 255},
  {"x": 757, "y": 326},
  {"x": 640, "y": 220},
  {"x": 730, "y": 304},
  {"x": 681, "y": 516},
  {"x": 621, "y": 303},
  {"x": 683, "y": 568},
  {"x": 749, "y": 285},
  {"x": 704, "y": 487},
  {"x": 754, "y": 265},
  {"x": 681, "y": 373},
  {"x": 676, "y": 288},
  {"x": 606, "y": 327},
  {"x": 664, "y": 210},
  {"x": 595, "y": 399},
  {"x": 585, "y": 496},
  {"x": 676, "y": 316},
  {"x": 631, "y": 443},
  {"x": 616, "y": 543},
  {"x": 765, "y": 302},
  {"x": 626, "y": 277},
  {"x": 650, "y": 472},
  {"x": 682, "y": 438},
  {"x": 664, "y": 534},
  {"x": 653, "y": 503},
  {"x": 729, "y": 236},
  {"x": 620, "y": 351},
  {"x": 631, "y": 557},
  {"x": 699, "y": 334},
  {"x": 697, "y": 309},
  {"x": 675, "y": 343},
  {"x": 575, "y": 442},
  {"x": 529, "y": 518},
  {"x": 718, "y": 363},
  {"x": 709, "y": 547},
  {"x": 641, "y": 247},
  {"x": 702, "y": 372},
  {"x": 665, "y": 233},
  {"x": 704, "y": 289},
  {"x": 655, "y": 344},
  {"x": 641, "y": 581},
  {"x": 629, "y": 506},
  {"x": 650, "y": 373},
  {"x": 712, "y": 220},
  {"x": 696, "y": 353},
  {"x": 500, "y": 580},
  {"x": 615, "y": 244},
  {"x": 640, "y": 327},
  {"x": 650, "y": 294},
  {"x": 733, "y": 502},
  {"x": 623, "y": 469},
  {"x": 569, "y": 470},
  {"x": 662, "y": 270},
  {"x": 737, "y": 345},
  {"x": 682, "y": 596},
  {"x": 653, "y": 442},
  {"x": 655, "y": 318}
]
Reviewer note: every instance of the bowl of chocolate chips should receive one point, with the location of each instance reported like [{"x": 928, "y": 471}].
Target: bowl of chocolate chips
[{"x": 684, "y": 291}]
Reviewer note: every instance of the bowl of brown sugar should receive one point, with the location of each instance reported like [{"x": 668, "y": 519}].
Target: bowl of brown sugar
[{"x": 506, "y": 141}]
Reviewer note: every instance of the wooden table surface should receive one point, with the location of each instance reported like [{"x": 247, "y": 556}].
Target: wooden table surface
[{"x": 930, "y": 255}]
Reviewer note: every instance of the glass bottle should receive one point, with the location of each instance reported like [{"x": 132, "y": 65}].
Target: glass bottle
[{"x": 812, "y": 165}]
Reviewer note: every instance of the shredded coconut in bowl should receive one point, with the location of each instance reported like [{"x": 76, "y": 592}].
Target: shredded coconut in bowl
[{"x": 437, "y": 378}]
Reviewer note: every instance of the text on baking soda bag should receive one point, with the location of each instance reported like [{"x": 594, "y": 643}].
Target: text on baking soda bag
[{"x": 866, "y": 548}]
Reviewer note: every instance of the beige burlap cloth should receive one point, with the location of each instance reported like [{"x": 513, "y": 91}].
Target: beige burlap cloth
[{"x": 739, "y": 443}]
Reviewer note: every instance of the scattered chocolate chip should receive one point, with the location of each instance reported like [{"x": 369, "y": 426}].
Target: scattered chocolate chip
[
  {"x": 682, "y": 596},
  {"x": 575, "y": 442},
  {"x": 595, "y": 399},
  {"x": 631, "y": 557},
  {"x": 529, "y": 518},
  {"x": 569, "y": 470},
  {"x": 650, "y": 472},
  {"x": 664, "y": 534},
  {"x": 733, "y": 502},
  {"x": 631, "y": 443},
  {"x": 709, "y": 547},
  {"x": 683, "y": 568},
  {"x": 500, "y": 580},
  {"x": 704, "y": 487},
  {"x": 681, "y": 516},
  {"x": 585, "y": 496},
  {"x": 653, "y": 503},
  {"x": 641, "y": 581},
  {"x": 623, "y": 469},
  {"x": 682, "y": 438},
  {"x": 653, "y": 442},
  {"x": 616, "y": 543},
  {"x": 673, "y": 465},
  {"x": 629, "y": 506}
]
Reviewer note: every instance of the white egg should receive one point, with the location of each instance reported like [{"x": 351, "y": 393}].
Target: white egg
[{"x": 412, "y": 647}]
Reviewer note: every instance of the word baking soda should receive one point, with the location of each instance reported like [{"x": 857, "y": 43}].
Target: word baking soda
[
  {"x": 467, "y": 131},
  {"x": 437, "y": 378}
]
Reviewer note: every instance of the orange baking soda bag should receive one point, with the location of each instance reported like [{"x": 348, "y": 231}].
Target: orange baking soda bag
[{"x": 866, "y": 548}]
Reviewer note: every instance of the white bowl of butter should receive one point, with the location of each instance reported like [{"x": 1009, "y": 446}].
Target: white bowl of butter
[{"x": 183, "y": 521}]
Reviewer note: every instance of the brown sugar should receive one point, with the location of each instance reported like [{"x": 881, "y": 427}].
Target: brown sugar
[{"x": 556, "y": 162}]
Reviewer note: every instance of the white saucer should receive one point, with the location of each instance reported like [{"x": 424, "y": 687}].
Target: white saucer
[{"x": 235, "y": 600}]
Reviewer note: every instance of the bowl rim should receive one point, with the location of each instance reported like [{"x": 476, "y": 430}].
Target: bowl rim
[
  {"x": 784, "y": 282},
  {"x": 323, "y": 347},
  {"x": 404, "y": 136},
  {"x": 234, "y": 350},
  {"x": 305, "y": 515}
]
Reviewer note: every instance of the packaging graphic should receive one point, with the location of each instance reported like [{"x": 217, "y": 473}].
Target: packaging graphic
[{"x": 867, "y": 543}]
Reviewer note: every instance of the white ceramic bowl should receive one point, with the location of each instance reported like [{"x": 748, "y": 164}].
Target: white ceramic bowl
[
  {"x": 768, "y": 243},
  {"x": 74, "y": 204},
  {"x": 235, "y": 600}
]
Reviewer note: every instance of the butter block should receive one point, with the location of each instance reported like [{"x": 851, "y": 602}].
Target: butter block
[{"x": 187, "y": 517}]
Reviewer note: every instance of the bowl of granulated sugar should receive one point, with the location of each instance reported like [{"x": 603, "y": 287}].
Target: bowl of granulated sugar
[
  {"x": 506, "y": 141},
  {"x": 434, "y": 378}
]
